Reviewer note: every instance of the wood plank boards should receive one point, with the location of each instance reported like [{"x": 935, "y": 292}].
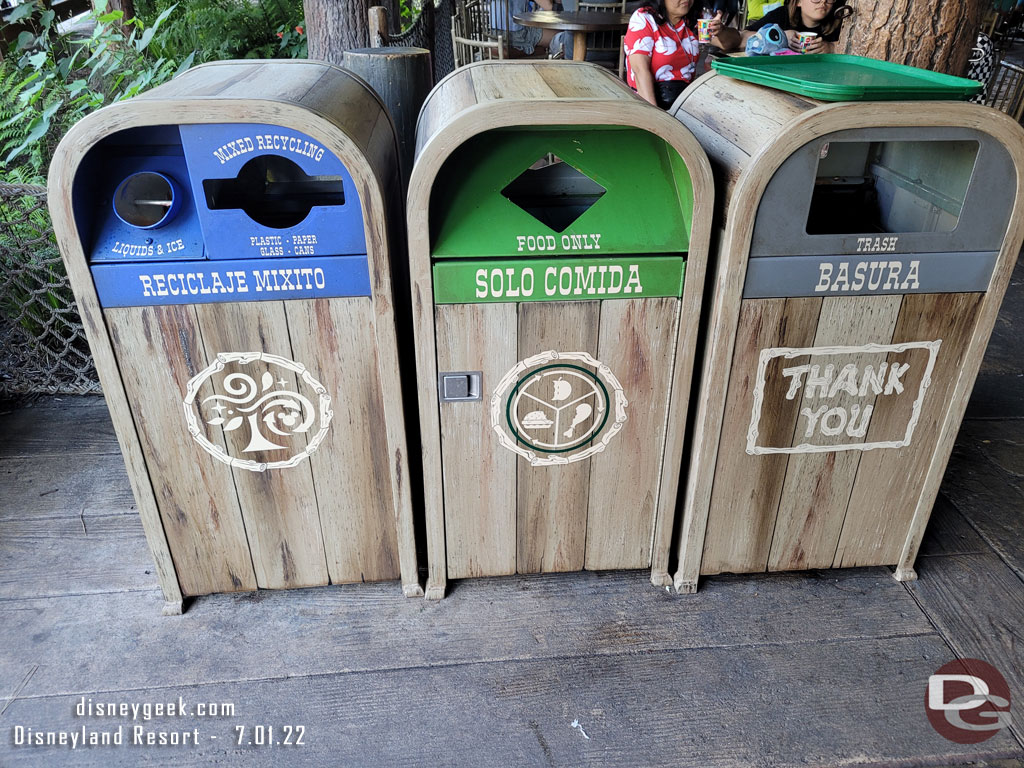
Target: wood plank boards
[
  {"x": 878, "y": 519},
  {"x": 406, "y": 717},
  {"x": 835, "y": 508},
  {"x": 746, "y": 158},
  {"x": 637, "y": 342},
  {"x": 978, "y": 603},
  {"x": 983, "y": 489},
  {"x": 39, "y": 429},
  {"x": 479, "y": 475},
  {"x": 372, "y": 627},
  {"x": 745, "y": 497},
  {"x": 552, "y": 502},
  {"x": 344, "y": 115},
  {"x": 949, "y": 533},
  {"x": 1002, "y": 355},
  {"x": 565, "y": 83},
  {"x": 441, "y": 103},
  {"x": 489, "y": 96},
  {"x": 354, "y": 495},
  {"x": 72, "y": 556},
  {"x": 43, "y": 487},
  {"x": 595, "y": 514},
  {"x": 195, "y": 493},
  {"x": 725, "y": 106},
  {"x": 818, "y": 485},
  {"x": 278, "y": 506},
  {"x": 525, "y": 654},
  {"x": 515, "y": 82}
]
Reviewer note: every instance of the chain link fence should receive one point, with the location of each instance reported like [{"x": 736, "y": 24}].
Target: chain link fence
[{"x": 42, "y": 343}]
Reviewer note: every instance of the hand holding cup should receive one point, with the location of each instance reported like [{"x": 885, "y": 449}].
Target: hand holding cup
[
  {"x": 709, "y": 28},
  {"x": 809, "y": 42},
  {"x": 715, "y": 25}
]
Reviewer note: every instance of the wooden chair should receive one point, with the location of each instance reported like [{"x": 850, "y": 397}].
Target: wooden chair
[
  {"x": 607, "y": 46},
  {"x": 473, "y": 37},
  {"x": 1006, "y": 90}
]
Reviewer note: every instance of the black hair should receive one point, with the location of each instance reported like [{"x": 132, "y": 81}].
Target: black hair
[{"x": 657, "y": 9}]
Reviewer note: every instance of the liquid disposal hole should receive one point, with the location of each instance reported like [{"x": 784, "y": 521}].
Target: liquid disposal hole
[{"x": 145, "y": 200}]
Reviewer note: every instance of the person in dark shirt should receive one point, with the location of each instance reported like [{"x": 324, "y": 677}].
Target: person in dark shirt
[{"x": 823, "y": 17}]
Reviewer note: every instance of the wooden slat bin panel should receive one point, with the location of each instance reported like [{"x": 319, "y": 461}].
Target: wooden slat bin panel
[
  {"x": 555, "y": 336},
  {"x": 864, "y": 255},
  {"x": 234, "y": 271}
]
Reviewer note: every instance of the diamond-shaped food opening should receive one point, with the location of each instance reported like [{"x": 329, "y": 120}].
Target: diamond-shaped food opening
[{"x": 553, "y": 192}]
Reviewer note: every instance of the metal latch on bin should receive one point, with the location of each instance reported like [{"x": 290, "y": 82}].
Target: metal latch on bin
[{"x": 460, "y": 386}]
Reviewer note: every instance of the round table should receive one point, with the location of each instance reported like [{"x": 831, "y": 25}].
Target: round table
[{"x": 577, "y": 22}]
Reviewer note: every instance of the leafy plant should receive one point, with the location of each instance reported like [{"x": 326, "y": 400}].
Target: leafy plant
[
  {"x": 228, "y": 29},
  {"x": 293, "y": 42},
  {"x": 407, "y": 11},
  {"x": 50, "y": 80},
  {"x": 58, "y": 79}
]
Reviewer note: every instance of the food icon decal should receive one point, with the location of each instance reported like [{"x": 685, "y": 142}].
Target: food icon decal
[{"x": 557, "y": 408}]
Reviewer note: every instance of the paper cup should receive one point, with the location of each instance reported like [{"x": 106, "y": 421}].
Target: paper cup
[
  {"x": 704, "y": 30},
  {"x": 803, "y": 38}
]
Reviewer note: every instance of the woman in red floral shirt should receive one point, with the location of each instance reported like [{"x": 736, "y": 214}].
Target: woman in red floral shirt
[{"x": 662, "y": 49}]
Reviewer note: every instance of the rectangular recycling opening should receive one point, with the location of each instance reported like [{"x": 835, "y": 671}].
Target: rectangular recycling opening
[{"x": 890, "y": 186}]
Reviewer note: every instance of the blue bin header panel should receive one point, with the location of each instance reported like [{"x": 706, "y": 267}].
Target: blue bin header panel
[
  {"x": 267, "y": 191},
  {"x": 199, "y": 214},
  {"x": 211, "y": 282}
]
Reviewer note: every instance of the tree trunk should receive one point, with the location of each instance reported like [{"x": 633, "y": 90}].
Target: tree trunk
[
  {"x": 127, "y": 6},
  {"x": 402, "y": 77},
  {"x": 335, "y": 26},
  {"x": 922, "y": 33}
]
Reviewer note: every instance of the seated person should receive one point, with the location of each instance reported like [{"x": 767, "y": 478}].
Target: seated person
[
  {"x": 662, "y": 49},
  {"x": 561, "y": 46},
  {"x": 524, "y": 40},
  {"x": 818, "y": 16},
  {"x": 758, "y": 8}
]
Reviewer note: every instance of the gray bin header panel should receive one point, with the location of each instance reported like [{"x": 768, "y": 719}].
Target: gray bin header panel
[
  {"x": 781, "y": 225},
  {"x": 786, "y": 261}
]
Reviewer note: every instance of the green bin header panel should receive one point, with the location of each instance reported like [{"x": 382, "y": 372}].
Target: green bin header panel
[
  {"x": 515, "y": 280},
  {"x": 617, "y": 191}
]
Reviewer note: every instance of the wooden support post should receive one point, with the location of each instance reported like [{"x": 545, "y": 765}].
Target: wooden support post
[
  {"x": 402, "y": 77},
  {"x": 378, "y": 26}
]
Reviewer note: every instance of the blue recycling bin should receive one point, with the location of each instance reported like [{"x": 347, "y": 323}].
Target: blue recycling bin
[{"x": 228, "y": 241}]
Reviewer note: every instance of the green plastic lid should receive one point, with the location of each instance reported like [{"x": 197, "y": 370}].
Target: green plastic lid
[{"x": 839, "y": 77}]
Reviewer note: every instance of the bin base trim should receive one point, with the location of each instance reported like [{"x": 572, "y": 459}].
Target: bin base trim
[{"x": 904, "y": 574}]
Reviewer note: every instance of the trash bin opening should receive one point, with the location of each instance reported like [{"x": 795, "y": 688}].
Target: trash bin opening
[
  {"x": 864, "y": 187},
  {"x": 554, "y": 192},
  {"x": 274, "y": 191},
  {"x": 543, "y": 191}
]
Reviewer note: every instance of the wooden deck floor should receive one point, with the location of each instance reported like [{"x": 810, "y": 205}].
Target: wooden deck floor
[{"x": 822, "y": 668}]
